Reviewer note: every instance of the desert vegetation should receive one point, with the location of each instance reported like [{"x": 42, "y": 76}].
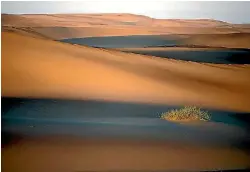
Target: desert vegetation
[{"x": 187, "y": 113}]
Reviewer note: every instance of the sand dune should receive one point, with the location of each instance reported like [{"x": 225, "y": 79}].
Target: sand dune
[
  {"x": 33, "y": 67},
  {"x": 235, "y": 40},
  {"x": 207, "y": 38},
  {"x": 62, "y": 26},
  {"x": 82, "y": 20},
  {"x": 57, "y": 33}
]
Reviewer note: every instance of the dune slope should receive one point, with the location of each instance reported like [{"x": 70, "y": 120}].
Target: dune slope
[{"x": 34, "y": 67}]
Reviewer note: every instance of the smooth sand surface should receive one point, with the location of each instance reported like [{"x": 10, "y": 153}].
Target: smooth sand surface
[
  {"x": 33, "y": 67},
  {"x": 74, "y": 154}
]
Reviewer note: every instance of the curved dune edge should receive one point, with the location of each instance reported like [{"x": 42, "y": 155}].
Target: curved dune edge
[{"x": 33, "y": 67}]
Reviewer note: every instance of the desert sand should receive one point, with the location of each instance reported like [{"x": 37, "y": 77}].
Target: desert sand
[
  {"x": 33, "y": 67},
  {"x": 234, "y": 40},
  {"x": 75, "y": 154},
  {"x": 63, "y": 26}
]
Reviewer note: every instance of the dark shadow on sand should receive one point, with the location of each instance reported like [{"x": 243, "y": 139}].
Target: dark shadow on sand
[
  {"x": 41, "y": 117},
  {"x": 210, "y": 55}
]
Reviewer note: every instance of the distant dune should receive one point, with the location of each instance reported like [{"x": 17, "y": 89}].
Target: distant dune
[
  {"x": 61, "y": 26},
  {"x": 235, "y": 40},
  {"x": 45, "y": 68},
  {"x": 85, "y": 20}
]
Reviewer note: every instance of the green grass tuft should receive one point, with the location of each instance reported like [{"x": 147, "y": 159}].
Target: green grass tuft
[{"x": 188, "y": 113}]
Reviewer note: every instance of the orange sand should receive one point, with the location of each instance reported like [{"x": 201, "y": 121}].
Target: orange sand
[
  {"x": 34, "y": 67},
  {"x": 72, "y": 154},
  {"x": 62, "y": 26}
]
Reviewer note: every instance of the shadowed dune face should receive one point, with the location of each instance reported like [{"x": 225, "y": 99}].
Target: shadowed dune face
[
  {"x": 44, "y": 68},
  {"x": 176, "y": 47}
]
